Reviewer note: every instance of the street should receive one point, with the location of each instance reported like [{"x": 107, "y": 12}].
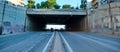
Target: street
[
  {"x": 87, "y": 42},
  {"x": 77, "y": 41},
  {"x": 60, "y": 26},
  {"x": 28, "y": 42}
]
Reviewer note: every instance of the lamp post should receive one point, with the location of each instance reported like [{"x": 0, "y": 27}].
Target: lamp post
[
  {"x": 111, "y": 18},
  {"x": 3, "y": 14}
]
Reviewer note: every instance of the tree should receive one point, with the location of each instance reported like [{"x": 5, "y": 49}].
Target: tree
[
  {"x": 44, "y": 4},
  {"x": 57, "y": 6},
  {"x": 38, "y": 5},
  {"x": 76, "y": 8},
  {"x": 83, "y": 6},
  {"x": 31, "y": 4},
  {"x": 51, "y": 3},
  {"x": 72, "y": 7},
  {"x": 66, "y": 6},
  {"x": 25, "y": 5}
]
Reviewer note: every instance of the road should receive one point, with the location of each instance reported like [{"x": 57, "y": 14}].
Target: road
[
  {"x": 26, "y": 42},
  {"x": 75, "y": 42},
  {"x": 88, "y": 42}
]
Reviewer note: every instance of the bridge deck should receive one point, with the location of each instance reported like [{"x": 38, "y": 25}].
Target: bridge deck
[{"x": 57, "y": 11}]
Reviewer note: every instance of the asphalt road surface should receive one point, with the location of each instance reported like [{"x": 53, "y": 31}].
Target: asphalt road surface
[
  {"x": 76, "y": 41},
  {"x": 88, "y": 42},
  {"x": 26, "y": 42}
]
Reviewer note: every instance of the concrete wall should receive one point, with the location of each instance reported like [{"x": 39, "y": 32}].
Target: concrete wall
[
  {"x": 99, "y": 19},
  {"x": 1, "y": 11},
  {"x": 13, "y": 20}
]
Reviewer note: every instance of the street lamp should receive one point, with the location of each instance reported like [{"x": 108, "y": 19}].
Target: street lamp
[
  {"x": 3, "y": 14},
  {"x": 111, "y": 18}
]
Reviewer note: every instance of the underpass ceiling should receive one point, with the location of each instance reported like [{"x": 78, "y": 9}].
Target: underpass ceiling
[{"x": 58, "y": 19}]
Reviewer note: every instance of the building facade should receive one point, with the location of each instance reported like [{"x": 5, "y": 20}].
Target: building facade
[
  {"x": 11, "y": 17},
  {"x": 95, "y": 4},
  {"x": 17, "y": 2},
  {"x": 83, "y": 1}
]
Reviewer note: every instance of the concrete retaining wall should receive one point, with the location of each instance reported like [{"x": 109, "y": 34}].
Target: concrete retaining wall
[
  {"x": 13, "y": 20},
  {"x": 99, "y": 19}
]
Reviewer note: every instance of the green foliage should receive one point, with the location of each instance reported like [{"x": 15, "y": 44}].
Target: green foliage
[
  {"x": 31, "y": 4},
  {"x": 49, "y": 4},
  {"x": 25, "y": 6},
  {"x": 57, "y": 6},
  {"x": 44, "y": 4},
  {"x": 66, "y": 6},
  {"x": 52, "y": 2},
  {"x": 38, "y": 5},
  {"x": 31, "y": 1},
  {"x": 77, "y": 8},
  {"x": 72, "y": 7},
  {"x": 83, "y": 6}
]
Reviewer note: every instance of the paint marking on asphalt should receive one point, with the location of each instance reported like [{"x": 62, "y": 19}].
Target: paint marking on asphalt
[
  {"x": 68, "y": 46},
  {"x": 50, "y": 40},
  {"x": 101, "y": 43},
  {"x": 31, "y": 46}
]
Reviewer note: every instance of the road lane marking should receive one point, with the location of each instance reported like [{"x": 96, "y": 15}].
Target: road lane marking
[
  {"x": 68, "y": 46},
  {"x": 101, "y": 43},
  {"x": 50, "y": 40}
]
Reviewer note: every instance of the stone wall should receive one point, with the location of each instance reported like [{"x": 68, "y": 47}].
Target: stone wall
[{"x": 99, "y": 19}]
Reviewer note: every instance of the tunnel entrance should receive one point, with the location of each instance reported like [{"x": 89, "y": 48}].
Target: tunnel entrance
[{"x": 71, "y": 22}]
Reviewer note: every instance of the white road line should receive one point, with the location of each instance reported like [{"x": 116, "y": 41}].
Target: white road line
[
  {"x": 32, "y": 46},
  {"x": 66, "y": 43},
  {"x": 50, "y": 40},
  {"x": 101, "y": 43}
]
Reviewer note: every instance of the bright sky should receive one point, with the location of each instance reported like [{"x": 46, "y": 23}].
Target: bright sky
[
  {"x": 62, "y": 2},
  {"x": 89, "y": 0},
  {"x": 55, "y": 26}
]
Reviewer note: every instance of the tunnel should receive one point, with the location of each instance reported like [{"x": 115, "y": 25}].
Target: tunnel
[{"x": 72, "y": 22}]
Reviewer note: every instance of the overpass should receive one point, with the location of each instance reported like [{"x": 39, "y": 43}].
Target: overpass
[{"x": 74, "y": 19}]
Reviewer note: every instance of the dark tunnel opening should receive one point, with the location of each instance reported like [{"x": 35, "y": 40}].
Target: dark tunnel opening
[{"x": 72, "y": 22}]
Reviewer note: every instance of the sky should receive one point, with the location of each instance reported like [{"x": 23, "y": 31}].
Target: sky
[{"x": 74, "y": 3}]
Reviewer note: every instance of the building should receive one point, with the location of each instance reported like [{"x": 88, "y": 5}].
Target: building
[
  {"x": 103, "y": 2},
  {"x": 17, "y": 2},
  {"x": 83, "y": 1},
  {"x": 95, "y": 4}
]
